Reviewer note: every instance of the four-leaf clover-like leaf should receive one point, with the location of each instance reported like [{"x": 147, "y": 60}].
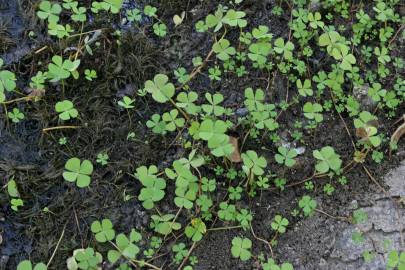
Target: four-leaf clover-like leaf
[
  {"x": 279, "y": 224},
  {"x": 153, "y": 190},
  {"x": 328, "y": 160},
  {"x": 305, "y": 88},
  {"x": 49, "y": 11},
  {"x": 79, "y": 172},
  {"x": 285, "y": 48},
  {"x": 160, "y": 88},
  {"x": 223, "y": 49},
  {"x": 241, "y": 248},
  {"x": 286, "y": 156},
  {"x": 103, "y": 230},
  {"x": 253, "y": 164}
]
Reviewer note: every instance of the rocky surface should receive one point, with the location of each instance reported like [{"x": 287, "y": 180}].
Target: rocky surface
[{"x": 380, "y": 230}]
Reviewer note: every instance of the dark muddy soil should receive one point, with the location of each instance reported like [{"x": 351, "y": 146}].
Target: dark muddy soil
[{"x": 36, "y": 159}]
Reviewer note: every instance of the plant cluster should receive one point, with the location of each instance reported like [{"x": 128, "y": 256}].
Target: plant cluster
[{"x": 204, "y": 125}]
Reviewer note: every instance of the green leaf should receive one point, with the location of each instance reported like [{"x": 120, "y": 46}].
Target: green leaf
[
  {"x": 25, "y": 265},
  {"x": 66, "y": 110},
  {"x": 223, "y": 49},
  {"x": 328, "y": 160},
  {"x": 161, "y": 90},
  {"x": 79, "y": 172},
  {"x": 103, "y": 230},
  {"x": 12, "y": 189},
  {"x": 241, "y": 248}
]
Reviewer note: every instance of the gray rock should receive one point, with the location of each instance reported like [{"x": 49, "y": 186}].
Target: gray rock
[
  {"x": 346, "y": 249},
  {"x": 383, "y": 216},
  {"x": 361, "y": 94},
  {"x": 380, "y": 231},
  {"x": 315, "y": 5},
  {"x": 242, "y": 112},
  {"x": 396, "y": 181}
]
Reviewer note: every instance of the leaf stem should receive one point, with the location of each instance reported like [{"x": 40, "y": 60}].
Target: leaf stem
[{"x": 60, "y": 127}]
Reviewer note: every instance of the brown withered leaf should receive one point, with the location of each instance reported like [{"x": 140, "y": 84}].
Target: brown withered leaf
[
  {"x": 362, "y": 132},
  {"x": 398, "y": 133},
  {"x": 235, "y": 156},
  {"x": 36, "y": 93}
]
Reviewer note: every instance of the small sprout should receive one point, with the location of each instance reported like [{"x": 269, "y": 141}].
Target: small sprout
[
  {"x": 214, "y": 133},
  {"x": 126, "y": 103},
  {"x": 357, "y": 237},
  {"x": 90, "y": 74},
  {"x": 208, "y": 185},
  {"x": 376, "y": 92},
  {"x": 241, "y": 248},
  {"x": 280, "y": 183},
  {"x": 235, "y": 18},
  {"x": 235, "y": 193},
  {"x": 172, "y": 121},
  {"x": 62, "y": 141},
  {"x": 227, "y": 212},
  {"x": 79, "y": 172},
  {"x": 328, "y": 189},
  {"x": 197, "y": 61},
  {"x": 180, "y": 252},
  {"x": 15, "y": 115},
  {"x": 15, "y": 203},
  {"x": 102, "y": 158},
  {"x": 315, "y": 20},
  {"x": 214, "y": 73},
  {"x": 309, "y": 185},
  {"x": 79, "y": 14},
  {"x": 204, "y": 202},
  {"x": 359, "y": 216},
  {"x": 66, "y": 110},
  {"x": 279, "y": 224},
  {"x": 59, "y": 30}
]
